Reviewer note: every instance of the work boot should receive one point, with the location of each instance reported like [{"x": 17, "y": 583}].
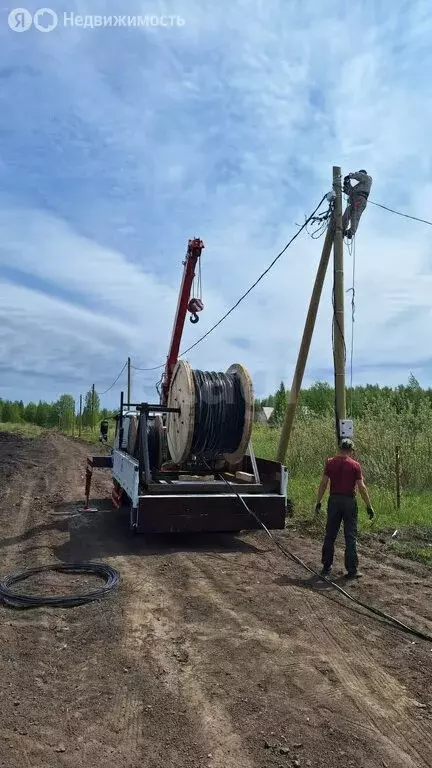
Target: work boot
[
  {"x": 353, "y": 575},
  {"x": 326, "y": 572}
]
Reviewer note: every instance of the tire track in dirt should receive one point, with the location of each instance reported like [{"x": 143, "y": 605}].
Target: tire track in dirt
[
  {"x": 375, "y": 695},
  {"x": 163, "y": 632},
  {"x": 389, "y": 707}
]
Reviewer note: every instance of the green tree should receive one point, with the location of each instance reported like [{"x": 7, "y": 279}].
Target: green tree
[
  {"x": 46, "y": 415},
  {"x": 65, "y": 407},
  {"x": 10, "y": 412},
  {"x": 319, "y": 398},
  {"x": 91, "y": 409},
  {"x": 30, "y": 413},
  {"x": 277, "y": 416}
]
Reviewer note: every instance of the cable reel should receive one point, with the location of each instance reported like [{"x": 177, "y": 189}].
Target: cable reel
[
  {"x": 155, "y": 438},
  {"x": 216, "y": 414}
]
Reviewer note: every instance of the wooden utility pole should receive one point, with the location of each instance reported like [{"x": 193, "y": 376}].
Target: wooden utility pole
[
  {"x": 305, "y": 344},
  {"x": 80, "y": 418},
  {"x": 93, "y": 408},
  {"x": 398, "y": 477},
  {"x": 338, "y": 303},
  {"x": 129, "y": 380}
]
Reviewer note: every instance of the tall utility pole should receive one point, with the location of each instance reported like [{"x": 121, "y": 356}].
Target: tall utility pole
[
  {"x": 305, "y": 344},
  {"x": 80, "y": 418},
  {"x": 93, "y": 408},
  {"x": 338, "y": 304},
  {"x": 129, "y": 380}
]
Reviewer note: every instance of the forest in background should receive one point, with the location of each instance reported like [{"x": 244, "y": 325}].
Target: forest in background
[
  {"x": 318, "y": 400},
  {"x": 62, "y": 414}
]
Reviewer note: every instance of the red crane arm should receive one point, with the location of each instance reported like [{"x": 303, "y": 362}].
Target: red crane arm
[{"x": 194, "y": 250}]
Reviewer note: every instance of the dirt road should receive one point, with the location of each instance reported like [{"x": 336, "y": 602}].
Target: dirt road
[{"x": 213, "y": 653}]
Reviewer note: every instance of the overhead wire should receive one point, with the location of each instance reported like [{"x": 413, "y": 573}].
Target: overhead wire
[
  {"x": 399, "y": 213},
  {"x": 318, "y": 232},
  {"x": 250, "y": 289},
  {"x": 114, "y": 382},
  {"x": 154, "y": 368},
  {"x": 262, "y": 275}
]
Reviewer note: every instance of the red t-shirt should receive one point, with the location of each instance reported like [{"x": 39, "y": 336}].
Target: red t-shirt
[{"x": 344, "y": 473}]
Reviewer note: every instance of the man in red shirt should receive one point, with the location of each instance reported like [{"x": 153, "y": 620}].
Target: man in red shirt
[{"x": 345, "y": 475}]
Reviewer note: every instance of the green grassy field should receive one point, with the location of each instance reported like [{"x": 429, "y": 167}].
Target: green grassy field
[
  {"x": 313, "y": 441},
  {"x": 23, "y": 429}
]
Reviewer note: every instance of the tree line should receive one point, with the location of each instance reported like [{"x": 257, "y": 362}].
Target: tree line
[
  {"x": 61, "y": 414},
  {"x": 319, "y": 400}
]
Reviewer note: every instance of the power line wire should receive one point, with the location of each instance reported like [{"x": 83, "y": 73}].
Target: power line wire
[
  {"x": 323, "y": 219},
  {"x": 399, "y": 213},
  {"x": 304, "y": 226},
  {"x": 263, "y": 274},
  {"x": 114, "y": 382},
  {"x": 155, "y": 367},
  {"x": 256, "y": 281}
]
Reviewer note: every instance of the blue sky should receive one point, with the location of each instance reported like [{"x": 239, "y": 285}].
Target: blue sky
[{"x": 118, "y": 144}]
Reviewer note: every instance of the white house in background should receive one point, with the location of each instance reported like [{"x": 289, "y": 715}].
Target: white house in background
[{"x": 262, "y": 415}]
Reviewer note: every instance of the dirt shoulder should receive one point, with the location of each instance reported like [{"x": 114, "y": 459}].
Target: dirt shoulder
[{"x": 215, "y": 651}]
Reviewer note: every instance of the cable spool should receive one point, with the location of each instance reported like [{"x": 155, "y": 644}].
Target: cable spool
[
  {"x": 155, "y": 440},
  {"x": 216, "y": 413}
]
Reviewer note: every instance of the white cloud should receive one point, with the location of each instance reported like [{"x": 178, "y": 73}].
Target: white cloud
[{"x": 231, "y": 125}]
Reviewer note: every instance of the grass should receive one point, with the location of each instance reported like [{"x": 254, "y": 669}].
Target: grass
[
  {"x": 32, "y": 430},
  {"x": 313, "y": 441},
  {"x": 23, "y": 429}
]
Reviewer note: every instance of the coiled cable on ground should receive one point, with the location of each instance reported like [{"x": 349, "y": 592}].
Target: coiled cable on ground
[
  {"x": 219, "y": 413},
  {"x": 19, "y": 600}
]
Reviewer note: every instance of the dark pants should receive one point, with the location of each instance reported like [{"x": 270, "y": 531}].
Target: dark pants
[
  {"x": 353, "y": 212},
  {"x": 341, "y": 508}
]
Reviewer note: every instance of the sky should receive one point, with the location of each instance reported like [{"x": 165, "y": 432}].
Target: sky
[{"x": 118, "y": 144}]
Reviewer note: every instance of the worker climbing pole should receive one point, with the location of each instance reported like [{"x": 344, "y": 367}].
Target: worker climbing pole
[
  {"x": 338, "y": 226},
  {"x": 357, "y": 200}
]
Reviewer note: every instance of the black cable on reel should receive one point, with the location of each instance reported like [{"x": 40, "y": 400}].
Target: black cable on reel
[{"x": 220, "y": 412}]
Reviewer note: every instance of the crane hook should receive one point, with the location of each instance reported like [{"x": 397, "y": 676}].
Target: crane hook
[{"x": 195, "y": 306}]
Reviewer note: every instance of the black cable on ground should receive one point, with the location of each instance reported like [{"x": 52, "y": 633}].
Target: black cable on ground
[
  {"x": 18, "y": 600},
  {"x": 291, "y": 556}
]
